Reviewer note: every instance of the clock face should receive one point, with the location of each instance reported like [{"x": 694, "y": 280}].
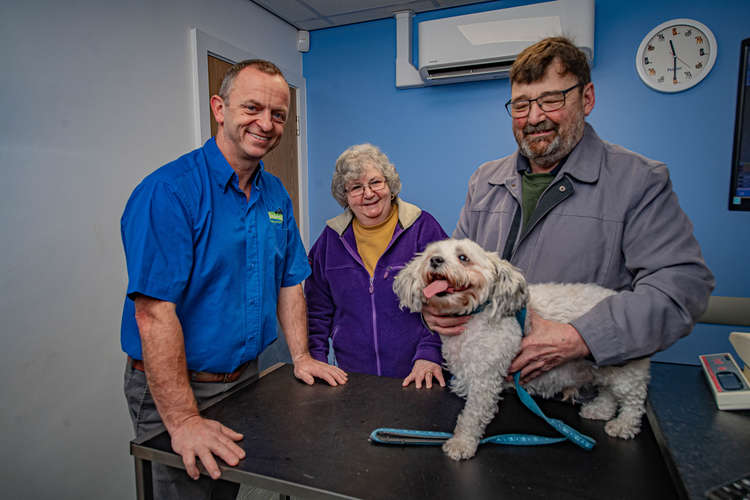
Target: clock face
[{"x": 676, "y": 55}]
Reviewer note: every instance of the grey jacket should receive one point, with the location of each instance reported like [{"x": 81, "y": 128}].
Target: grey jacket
[{"x": 609, "y": 217}]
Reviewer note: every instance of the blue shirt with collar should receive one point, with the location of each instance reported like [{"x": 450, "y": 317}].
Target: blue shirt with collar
[{"x": 191, "y": 237}]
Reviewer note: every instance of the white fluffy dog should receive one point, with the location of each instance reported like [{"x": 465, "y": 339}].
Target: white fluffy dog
[{"x": 459, "y": 277}]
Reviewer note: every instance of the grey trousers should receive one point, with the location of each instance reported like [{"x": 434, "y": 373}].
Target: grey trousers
[{"x": 169, "y": 482}]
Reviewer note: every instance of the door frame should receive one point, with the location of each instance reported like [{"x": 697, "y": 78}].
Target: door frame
[{"x": 201, "y": 45}]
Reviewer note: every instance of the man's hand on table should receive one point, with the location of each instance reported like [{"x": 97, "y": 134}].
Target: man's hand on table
[
  {"x": 306, "y": 369},
  {"x": 198, "y": 437}
]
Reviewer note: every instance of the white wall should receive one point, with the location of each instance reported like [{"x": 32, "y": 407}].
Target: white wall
[{"x": 94, "y": 95}]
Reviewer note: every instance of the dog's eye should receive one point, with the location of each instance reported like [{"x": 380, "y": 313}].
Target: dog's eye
[{"x": 463, "y": 258}]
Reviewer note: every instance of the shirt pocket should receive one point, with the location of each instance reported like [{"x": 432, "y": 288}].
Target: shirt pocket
[
  {"x": 578, "y": 249},
  {"x": 491, "y": 216},
  {"x": 275, "y": 238},
  {"x": 391, "y": 271}
]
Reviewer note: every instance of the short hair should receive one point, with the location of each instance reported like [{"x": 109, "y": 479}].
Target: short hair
[
  {"x": 532, "y": 63},
  {"x": 262, "y": 65},
  {"x": 352, "y": 162}
]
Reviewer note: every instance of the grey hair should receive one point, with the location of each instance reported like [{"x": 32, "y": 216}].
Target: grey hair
[
  {"x": 352, "y": 162},
  {"x": 261, "y": 65}
]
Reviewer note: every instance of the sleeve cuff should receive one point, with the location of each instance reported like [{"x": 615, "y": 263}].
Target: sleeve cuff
[{"x": 601, "y": 337}]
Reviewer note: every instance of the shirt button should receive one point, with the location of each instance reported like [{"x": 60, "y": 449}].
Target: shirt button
[{"x": 562, "y": 189}]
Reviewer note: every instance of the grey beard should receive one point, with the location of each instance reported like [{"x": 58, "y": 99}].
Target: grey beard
[
  {"x": 558, "y": 149},
  {"x": 551, "y": 155}
]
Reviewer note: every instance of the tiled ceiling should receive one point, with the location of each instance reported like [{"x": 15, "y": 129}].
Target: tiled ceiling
[{"x": 318, "y": 14}]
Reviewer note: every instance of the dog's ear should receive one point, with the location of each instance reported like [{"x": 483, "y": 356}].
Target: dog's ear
[
  {"x": 510, "y": 292},
  {"x": 408, "y": 285}
]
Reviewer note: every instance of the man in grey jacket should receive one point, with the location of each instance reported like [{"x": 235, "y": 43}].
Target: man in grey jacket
[{"x": 570, "y": 207}]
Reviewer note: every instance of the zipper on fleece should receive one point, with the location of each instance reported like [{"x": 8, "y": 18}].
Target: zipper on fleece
[
  {"x": 375, "y": 325},
  {"x": 371, "y": 290}
]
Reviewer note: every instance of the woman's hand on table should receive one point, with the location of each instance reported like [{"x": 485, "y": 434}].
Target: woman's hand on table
[{"x": 425, "y": 371}]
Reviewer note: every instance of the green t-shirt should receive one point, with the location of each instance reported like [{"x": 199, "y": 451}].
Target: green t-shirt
[{"x": 532, "y": 187}]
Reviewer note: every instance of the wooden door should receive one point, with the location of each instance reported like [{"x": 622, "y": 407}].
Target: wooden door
[{"x": 283, "y": 161}]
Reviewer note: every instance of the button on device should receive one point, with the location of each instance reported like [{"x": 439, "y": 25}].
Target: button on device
[{"x": 729, "y": 381}]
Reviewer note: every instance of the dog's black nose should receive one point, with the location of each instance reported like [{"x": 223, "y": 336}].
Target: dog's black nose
[{"x": 436, "y": 262}]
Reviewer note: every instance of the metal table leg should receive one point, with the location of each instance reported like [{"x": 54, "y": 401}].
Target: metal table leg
[{"x": 144, "y": 487}]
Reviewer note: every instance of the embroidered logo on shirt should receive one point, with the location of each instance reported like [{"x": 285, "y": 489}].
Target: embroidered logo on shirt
[{"x": 276, "y": 217}]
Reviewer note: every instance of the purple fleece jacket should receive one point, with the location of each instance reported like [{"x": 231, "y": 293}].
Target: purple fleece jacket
[{"x": 369, "y": 333}]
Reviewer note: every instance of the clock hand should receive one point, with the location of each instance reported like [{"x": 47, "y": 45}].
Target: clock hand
[{"x": 674, "y": 62}]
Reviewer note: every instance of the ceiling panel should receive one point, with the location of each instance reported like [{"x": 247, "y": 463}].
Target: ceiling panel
[
  {"x": 370, "y": 14},
  {"x": 334, "y": 7},
  {"x": 288, "y": 9},
  {"x": 318, "y": 14}
]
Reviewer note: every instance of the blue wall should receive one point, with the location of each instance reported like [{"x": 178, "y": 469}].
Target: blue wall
[{"x": 437, "y": 136}]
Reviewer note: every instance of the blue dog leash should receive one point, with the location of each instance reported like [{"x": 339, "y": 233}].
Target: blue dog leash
[{"x": 386, "y": 435}]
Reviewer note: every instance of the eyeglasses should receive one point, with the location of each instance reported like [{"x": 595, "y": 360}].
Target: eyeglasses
[
  {"x": 549, "y": 101},
  {"x": 357, "y": 190}
]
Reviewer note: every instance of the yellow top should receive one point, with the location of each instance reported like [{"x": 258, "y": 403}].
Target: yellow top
[{"x": 373, "y": 240}]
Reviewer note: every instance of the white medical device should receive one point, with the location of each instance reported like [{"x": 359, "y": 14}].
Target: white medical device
[{"x": 727, "y": 381}]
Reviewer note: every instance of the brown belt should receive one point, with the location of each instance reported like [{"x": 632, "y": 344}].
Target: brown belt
[{"x": 202, "y": 376}]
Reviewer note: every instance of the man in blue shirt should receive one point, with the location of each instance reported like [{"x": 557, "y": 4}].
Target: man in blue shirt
[{"x": 213, "y": 256}]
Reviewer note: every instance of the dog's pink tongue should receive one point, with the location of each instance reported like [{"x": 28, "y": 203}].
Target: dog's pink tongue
[{"x": 434, "y": 288}]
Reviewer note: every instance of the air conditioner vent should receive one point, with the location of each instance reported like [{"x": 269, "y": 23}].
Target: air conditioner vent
[{"x": 500, "y": 67}]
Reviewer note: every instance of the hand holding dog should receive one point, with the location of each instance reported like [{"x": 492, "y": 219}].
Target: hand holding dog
[
  {"x": 426, "y": 371},
  {"x": 444, "y": 325},
  {"x": 547, "y": 344}
]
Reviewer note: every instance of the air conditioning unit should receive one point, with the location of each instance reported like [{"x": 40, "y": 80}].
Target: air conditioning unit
[{"x": 484, "y": 45}]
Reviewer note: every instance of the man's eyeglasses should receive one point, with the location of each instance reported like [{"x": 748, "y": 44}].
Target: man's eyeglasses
[
  {"x": 549, "y": 101},
  {"x": 358, "y": 190}
]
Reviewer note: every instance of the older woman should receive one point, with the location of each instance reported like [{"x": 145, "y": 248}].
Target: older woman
[{"x": 350, "y": 297}]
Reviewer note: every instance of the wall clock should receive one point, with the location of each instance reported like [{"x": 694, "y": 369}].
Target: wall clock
[{"x": 676, "y": 55}]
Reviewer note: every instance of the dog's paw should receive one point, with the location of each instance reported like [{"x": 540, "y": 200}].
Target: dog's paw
[
  {"x": 599, "y": 409},
  {"x": 623, "y": 428},
  {"x": 460, "y": 448}
]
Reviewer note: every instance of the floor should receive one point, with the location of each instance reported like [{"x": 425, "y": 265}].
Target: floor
[{"x": 251, "y": 493}]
